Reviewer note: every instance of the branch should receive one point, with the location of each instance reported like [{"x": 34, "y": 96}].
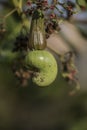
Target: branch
[
  {"x": 18, "y": 5},
  {"x": 7, "y": 56}
]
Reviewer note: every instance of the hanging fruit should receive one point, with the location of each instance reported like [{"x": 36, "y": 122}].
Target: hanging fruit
[
  {"x": 30, "y": 60},
  {"x": 37, "y": 40}
]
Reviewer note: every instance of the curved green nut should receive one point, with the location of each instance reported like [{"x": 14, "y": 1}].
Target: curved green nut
[{"x": 45, "y": 63}]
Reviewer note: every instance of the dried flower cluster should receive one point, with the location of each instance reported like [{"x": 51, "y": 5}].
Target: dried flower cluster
[
  {"x": 52, "y": 19},
  {"x": 69, "y": 70},
  {"x": 21, "y": 43}
]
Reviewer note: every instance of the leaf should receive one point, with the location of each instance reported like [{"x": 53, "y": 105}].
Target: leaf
[{"x": 82, "y": 4}]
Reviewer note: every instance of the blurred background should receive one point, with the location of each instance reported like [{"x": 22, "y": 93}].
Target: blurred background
[{"x": 49, "y": 108}]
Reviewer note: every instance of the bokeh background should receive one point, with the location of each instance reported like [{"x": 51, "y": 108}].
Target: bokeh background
[{"x": 49, "y": 108}]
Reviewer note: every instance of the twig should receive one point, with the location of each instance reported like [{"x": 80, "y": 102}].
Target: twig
[{"x": 10, "y": 13}]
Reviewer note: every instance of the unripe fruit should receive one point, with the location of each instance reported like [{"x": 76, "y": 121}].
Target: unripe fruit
[{"x": 37, "y": 40}]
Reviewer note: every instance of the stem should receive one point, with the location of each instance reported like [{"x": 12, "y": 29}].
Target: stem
[
  {"x": 55, "y": 2},
  {"x": 63, "y": 5},
  {"x": 18, "y": 5},
  {"x": 59, "y": 10},
  {"x": 10, "y": 13}
]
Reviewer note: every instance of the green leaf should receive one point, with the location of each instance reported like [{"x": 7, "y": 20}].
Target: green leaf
[{"x": 82, "y": 3}]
